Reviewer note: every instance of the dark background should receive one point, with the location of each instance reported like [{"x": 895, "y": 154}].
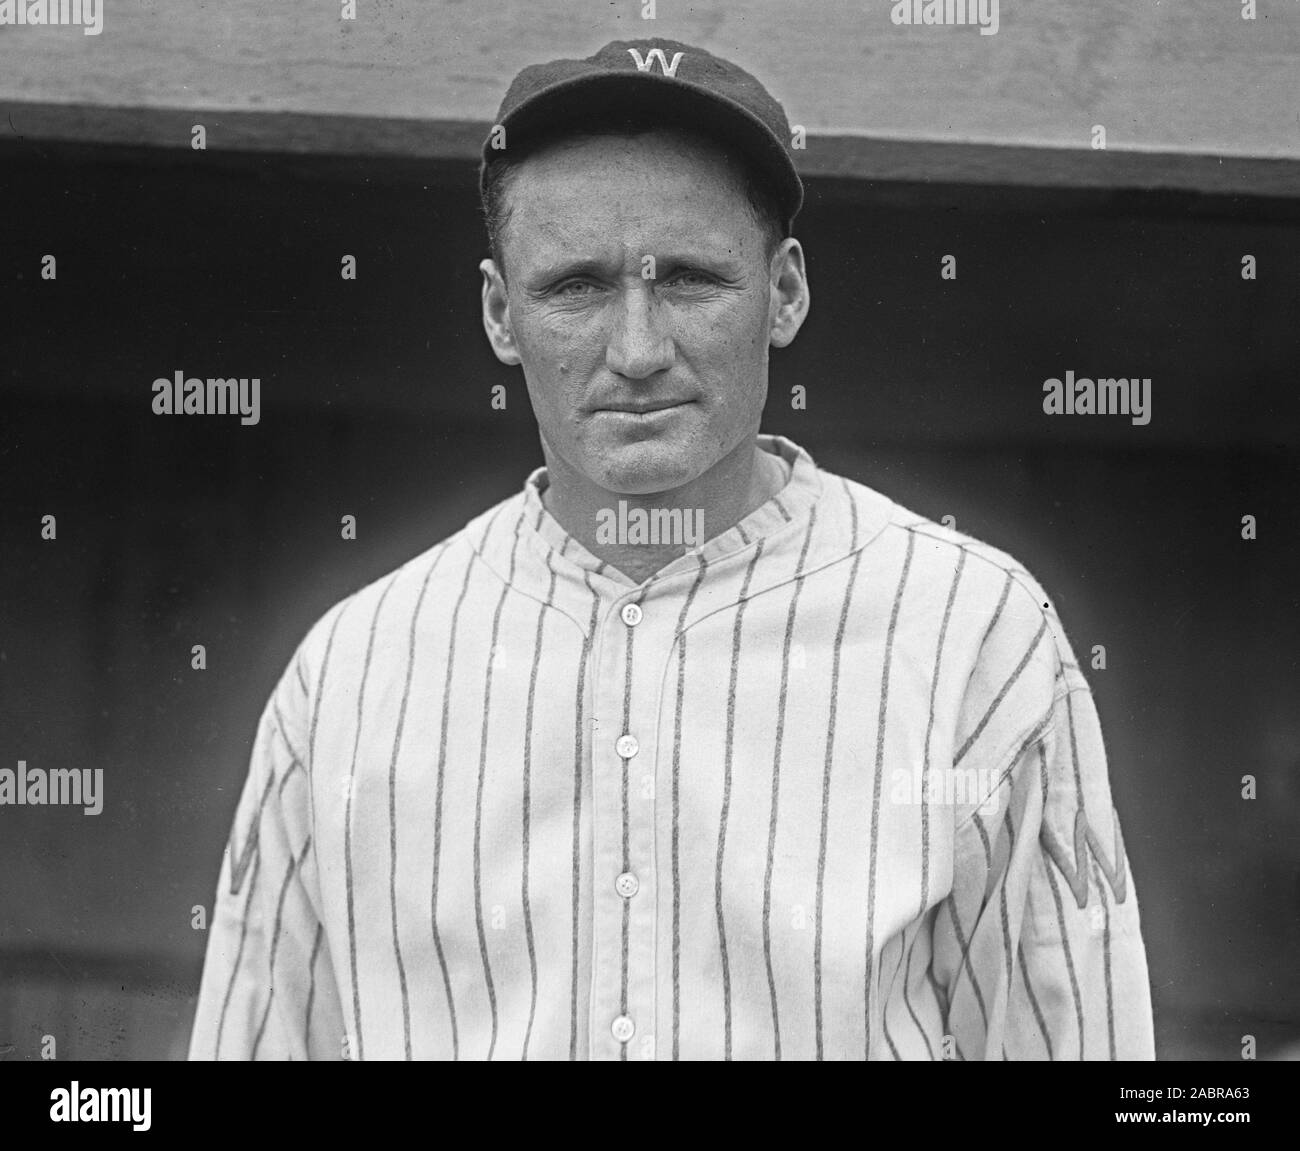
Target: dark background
[{"x": 376, "y": 402}]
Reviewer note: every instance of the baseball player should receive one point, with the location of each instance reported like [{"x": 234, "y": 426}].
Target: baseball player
[{"x": 690, "y": 749}]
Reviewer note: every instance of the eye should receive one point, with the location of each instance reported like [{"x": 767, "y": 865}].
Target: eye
[
  {"x": 573, "y": 289},
  {"x": 690, "y": 278}
]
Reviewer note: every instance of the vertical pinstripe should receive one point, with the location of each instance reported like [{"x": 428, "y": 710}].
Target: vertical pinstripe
[
  {"x": 1074, "y": 751},
  {"x": 437, "y": 804},
  {"x": 726, "y": 797},
  {"x": 578, "y": 760},
  {"x": 1105, "y": 906},
  {"x": 251, "y": 844},
  {"x": 239, "y": 955},
  {"x": 929, "y": 734},
  {"x": 315, "y": 711},
  {"x": 1110, "y": 990},
  {"x": 875, "y": 796},
  {"x": 849, "y": 585},
  {"x": 392, "y": 805},
  {"x": 1020, "y": 950},
  {"x": 493, "y": 650},
  {"x": 907, "y": 998},
  {"x": 527, "y": 801},
  {"x": 978, "y": 824},
  {"x": 347, "y": 822},
  {"x": 1033, "y": 1000},
  {"x": 776, "y": 784},
  {"x": 1060, "y": 912},
  {"x": 1065, "y": 945},
  {"x": 289, "y": 870},
  {"x": 1003, "y": 913},
  {"x": 680, "y": 639},
  {"x": 884, "y": 1018},
  {"x": 320, "y": 682},
  {"x": 997, "y": 611},
  {"x": 311, "y": 990}
]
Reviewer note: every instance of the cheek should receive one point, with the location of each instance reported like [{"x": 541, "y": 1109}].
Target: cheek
[
  {"x": 732, "y": 343},
  {"x": 559, "y": 346},
  {"x": 557, "y": 366}
]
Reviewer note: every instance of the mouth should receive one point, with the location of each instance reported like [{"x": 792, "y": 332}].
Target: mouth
[{"x": 649, "y": 408}]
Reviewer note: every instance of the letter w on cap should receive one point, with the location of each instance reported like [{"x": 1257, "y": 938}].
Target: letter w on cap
[{"x": 643, "y": 64}]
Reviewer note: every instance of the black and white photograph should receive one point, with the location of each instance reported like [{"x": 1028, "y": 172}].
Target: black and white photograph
[{"x": 642, "y": 531}]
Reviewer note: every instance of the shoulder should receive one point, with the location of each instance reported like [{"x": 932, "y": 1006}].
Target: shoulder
[
  {"x": 1002, "y": 638},
  {"x": 350, "y": 626},
  {"x": 999, "y": 601}
]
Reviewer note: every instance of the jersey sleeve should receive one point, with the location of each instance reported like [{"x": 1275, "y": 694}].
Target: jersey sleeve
[
  {"x": 1039, "y": 945},
  {"x": 268, "y": 989}
]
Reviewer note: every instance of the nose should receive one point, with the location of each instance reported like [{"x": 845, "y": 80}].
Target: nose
[{"x": 639, "y": 346}]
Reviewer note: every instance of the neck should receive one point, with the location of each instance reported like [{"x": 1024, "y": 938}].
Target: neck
[{"x": 743, "y": 480}]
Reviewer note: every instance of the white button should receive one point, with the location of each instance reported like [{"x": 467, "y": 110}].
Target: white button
[
  {"x": 631, "y": 614},
  {"x": 627, "y": 746},
  {"x": 627, "y": 885},
  {"x": 622, "y": 1028}
]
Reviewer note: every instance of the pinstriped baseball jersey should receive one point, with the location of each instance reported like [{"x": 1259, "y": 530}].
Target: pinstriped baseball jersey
[{"x": 830, "y": 786}]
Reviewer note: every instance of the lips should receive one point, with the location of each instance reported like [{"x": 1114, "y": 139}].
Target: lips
[{"x": 643, "y": 408}]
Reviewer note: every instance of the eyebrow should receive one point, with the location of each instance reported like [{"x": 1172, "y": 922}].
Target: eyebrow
[
  {"x": 591, "y": 266},
  {"x": 562, "y": 269}
]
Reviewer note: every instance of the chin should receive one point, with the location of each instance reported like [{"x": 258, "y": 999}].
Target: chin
[{"x": 645, "y": 468}]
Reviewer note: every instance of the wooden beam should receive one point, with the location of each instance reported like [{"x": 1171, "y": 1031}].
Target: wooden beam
[
  {"x": 242, "y": 131},
  {"x": 1166, "y": 76},
  {"x": 844, "y": 156}
]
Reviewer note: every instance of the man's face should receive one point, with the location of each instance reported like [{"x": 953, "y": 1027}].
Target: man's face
[{"x": 640, "y": 305}]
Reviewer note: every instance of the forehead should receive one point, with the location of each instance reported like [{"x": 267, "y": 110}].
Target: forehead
[{"x": 641, "y": 188}]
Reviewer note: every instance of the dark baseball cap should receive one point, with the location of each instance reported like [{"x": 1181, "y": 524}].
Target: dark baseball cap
[{"x": 649, "y": 78}]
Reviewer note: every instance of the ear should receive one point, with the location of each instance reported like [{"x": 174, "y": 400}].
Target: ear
[
  {"x": 790, "y": 297},
  {"x": 496, "y": 314}
]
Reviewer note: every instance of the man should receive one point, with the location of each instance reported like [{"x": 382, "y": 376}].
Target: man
[{"x": 690, "y": 749}]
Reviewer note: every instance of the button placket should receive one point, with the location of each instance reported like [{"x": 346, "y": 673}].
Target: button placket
[
  {"x": 626, "y": 1014},
  {"x": 635, "y": 887},
  {"x": 607, "y": 676}
]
